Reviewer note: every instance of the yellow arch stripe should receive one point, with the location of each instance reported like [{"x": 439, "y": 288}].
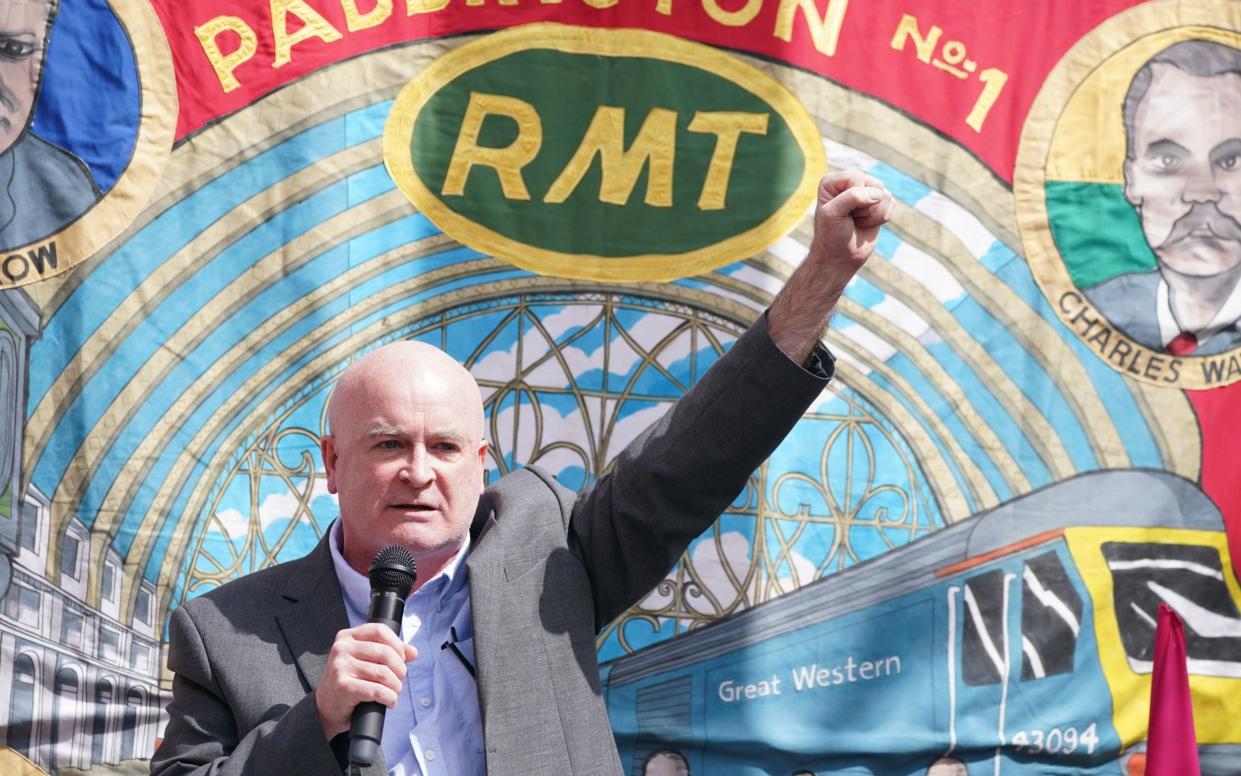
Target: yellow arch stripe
[
  {"x": 954, "y": 505},
  {"x": 934, "y": 465},
  {"x": 94, "y": 447},
  {"x": 928, "y": 456},
  {"x": 936, "y": 375},
  {"x": 128, "y": 401},
  {"x": 1024, "y": 413},
  {"x": 1028, "y": 328},
  {"x": 1174, "y": 424},
  {"x": 118, "y": 499},
  {"x": 161, "y": 435},
  {"x": 864, "y": 123},
  {"x": 957, "y": 398},
  {"x": 122, "y": 321},
  {"x": 214, "y": 151},
  {"x": 1037, "y": 430},
  {"x": 980, "y": 488}
]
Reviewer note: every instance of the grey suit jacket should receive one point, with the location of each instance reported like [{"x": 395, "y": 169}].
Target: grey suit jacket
[
  {"x": 42, "y": 190},
  {"x": 548, "y": 569}
]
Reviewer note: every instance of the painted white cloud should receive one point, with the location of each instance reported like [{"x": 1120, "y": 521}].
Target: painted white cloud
[
  {"x": 233, "y": 522},
  {"x": 711, "y": 564},
  {"x": 501, "y": 365},
  {"x": 283, "y": 506},
  {"x": 805, "y": 573}
]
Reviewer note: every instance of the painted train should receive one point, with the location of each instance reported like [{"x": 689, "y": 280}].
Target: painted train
[{"x": 1017, "y": 642}]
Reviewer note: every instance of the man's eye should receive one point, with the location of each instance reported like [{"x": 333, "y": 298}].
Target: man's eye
[
  {"x": 15, "y": 48},
  {"x": 1166, "y": 162},
  {"x": 389, "y": 444}
]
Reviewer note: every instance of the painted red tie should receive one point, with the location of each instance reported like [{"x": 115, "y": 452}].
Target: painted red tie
[{"x": 1182, "y": 344}]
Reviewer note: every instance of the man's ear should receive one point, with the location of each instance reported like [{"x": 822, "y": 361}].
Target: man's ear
[
  {"x": 1130, "y": 195},
  {"x": 482, "y": 465},
  {"x": 327, "y": 448}
]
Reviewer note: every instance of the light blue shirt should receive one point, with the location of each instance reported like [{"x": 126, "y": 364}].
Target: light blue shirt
[{"x": 436, "y": 728}]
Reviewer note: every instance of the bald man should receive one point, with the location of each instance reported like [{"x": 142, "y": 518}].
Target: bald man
[{"x": 495, "y": 672}]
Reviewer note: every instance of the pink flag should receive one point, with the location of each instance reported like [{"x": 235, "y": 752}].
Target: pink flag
[{"x": 1171, "y": 746}]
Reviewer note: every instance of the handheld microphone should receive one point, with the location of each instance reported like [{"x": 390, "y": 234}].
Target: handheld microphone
[{"x": 392, "y": 576}]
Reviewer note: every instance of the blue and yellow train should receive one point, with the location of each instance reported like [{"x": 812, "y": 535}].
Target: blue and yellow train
[{"x": 1017, "y": 642}]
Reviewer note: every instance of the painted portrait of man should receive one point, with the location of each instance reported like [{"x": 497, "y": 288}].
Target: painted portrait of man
[
  {"x": 43, "y": 188},
  {"x": 1182, "y": 176}
]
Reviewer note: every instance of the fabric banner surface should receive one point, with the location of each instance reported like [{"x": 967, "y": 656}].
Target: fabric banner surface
[{"x": 952, "y": 565}]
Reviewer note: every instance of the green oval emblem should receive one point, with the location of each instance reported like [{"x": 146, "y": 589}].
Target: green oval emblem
[{"x": 603, "y": 154}]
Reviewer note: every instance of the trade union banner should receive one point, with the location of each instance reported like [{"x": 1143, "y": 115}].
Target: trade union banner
[{"x": 953, "y": 564}]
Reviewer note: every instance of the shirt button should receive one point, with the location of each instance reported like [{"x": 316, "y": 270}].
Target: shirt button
[
  {"x": 430, "y": 753},
  {"x": 426, "y": 702}
]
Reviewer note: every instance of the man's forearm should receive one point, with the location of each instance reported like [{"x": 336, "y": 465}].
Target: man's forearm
[
  {"x": 798, "y": 317},
  {"x": 851, "y": 208}
]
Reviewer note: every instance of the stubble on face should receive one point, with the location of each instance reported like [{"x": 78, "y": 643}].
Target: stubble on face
[{"x": 405, "y": 454}]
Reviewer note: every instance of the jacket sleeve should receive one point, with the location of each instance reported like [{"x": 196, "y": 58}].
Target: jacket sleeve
[
  {"x": 202, "y": 736},
  {"x": 672, "y": 482}
]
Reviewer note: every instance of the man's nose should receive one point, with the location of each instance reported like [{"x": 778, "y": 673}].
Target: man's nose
[
  {"x": 417, "y": 469},
  {"x": 7, "y": 98},
  {"x": 1200, "y": 184}
]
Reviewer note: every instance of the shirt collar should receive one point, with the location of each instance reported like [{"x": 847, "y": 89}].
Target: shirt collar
[
  {"x": 1227, "y": 316},
  {"x": 356, "y": 588}
]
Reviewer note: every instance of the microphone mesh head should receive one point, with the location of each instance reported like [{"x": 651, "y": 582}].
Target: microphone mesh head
[{"x": 393, "y": 569}]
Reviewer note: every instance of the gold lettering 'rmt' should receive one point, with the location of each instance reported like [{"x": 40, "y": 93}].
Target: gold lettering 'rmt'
[
  {"x": 507, "y": 161},
  {"x": 620, "y": 167},
  {"x": 653, "y": 149},
  {"x": 727, "y": 127}
]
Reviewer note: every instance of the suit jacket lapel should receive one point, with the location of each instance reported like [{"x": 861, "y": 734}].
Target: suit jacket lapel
[
  {"x": 311, "y": 620},
  {"x": 486, "y": 568},
  {"x": 314, "y": 614}
]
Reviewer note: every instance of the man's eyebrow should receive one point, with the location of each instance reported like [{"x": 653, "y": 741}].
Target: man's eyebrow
[
  {"x": 1164, "y": 144},
  {"x": 378, "y": 431},
  {"x": 1226, "y": 146},
  {"x": 393, "y": 431}
]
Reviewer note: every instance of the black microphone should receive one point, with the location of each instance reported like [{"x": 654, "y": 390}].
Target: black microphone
[{"x": 392, "y": 576}]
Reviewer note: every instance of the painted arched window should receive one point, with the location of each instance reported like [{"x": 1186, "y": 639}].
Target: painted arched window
[
  {"x": 21, "y": 706},
  {"x": 65, "y": 716},
  {"x": 99, "y": 728},
  {"x": 133, "y": 705},
  {"x": 567, "y": 382}
]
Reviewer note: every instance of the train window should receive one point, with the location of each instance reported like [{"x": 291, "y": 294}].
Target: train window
[
  {"x": 1051, "y": 617},
  {"x": 665, "y": 718},
  {"x": 1188, "y": 578},
  {"x": 982, "y": 640}
]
